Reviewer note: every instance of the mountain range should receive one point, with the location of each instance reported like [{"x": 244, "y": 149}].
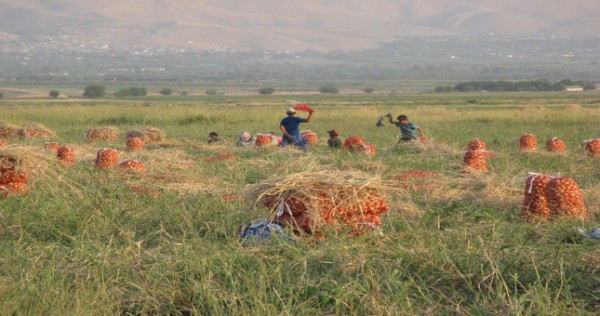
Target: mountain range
[{"x": 286, "y": 24}]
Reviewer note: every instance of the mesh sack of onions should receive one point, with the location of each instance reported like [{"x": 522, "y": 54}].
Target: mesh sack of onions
[
  {"x": 13, "y": 174},
  {"x": 310, "y": 136},
  {"x": 51, "y": 146},
  {"x": 310, "y": 201},
  {"x": 107, "y": 158},
  {"x": 565, "y": 198},
  {"x": 263, "y": 140},
  {"x": 528, "y": 142},
  {"x": 476, "y": 144},
  {"x": 132, "y": 166},
  {"x": 135, "y": 143},
  {"x": 66, "y": 155},
  {"x": 556, "y": 144},
  {"x": 3, "y": 143},
  {"x": 592, "y": 147},
  {"x": 535, "y": 204},
  {"x": 358, "y": 144},
  {"x": 474, "y": 160}
]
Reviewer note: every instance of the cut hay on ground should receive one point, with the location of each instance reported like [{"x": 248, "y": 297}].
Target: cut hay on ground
[
  {"x": 106, "y": 133},
  {"x": 148, "y": 135},
  {"x": 9, "y": 129},
  {"x": 571, "y": 107},
  {"x": 176, "y": 171},
  {"x": 36, "y": 131},
  {"x": 532, "y": 107}
]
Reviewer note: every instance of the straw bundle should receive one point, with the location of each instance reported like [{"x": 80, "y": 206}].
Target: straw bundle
[
  {"x": 107, "y": 133},
  {"x": 148, "y": 135},
  {"x": 309, "y": 201},
  {"x": 36, "y": 131}
]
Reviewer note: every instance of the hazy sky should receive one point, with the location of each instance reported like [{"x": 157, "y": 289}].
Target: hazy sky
[{"x": 287, "y": 24}]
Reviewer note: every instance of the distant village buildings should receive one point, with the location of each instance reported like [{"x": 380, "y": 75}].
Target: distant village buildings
[{"x": 574, "y": 88}]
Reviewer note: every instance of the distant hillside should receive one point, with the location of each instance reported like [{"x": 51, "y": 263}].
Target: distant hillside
[{"x": 287, "y": 24}]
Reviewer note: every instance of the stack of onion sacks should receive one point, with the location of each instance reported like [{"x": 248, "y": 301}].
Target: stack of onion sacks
[
  {"x": 475, "y": 157},
  {"x": 548, "y": 197},
  {"x": 592, "y": 147},
  {"x": 556, "y": 145},
  {"x": 528, "y": 142}
]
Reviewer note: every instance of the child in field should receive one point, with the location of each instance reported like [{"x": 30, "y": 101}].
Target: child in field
[
  {"x": 246, "y": 140},
  {"x": 334, "y": 140},
  {"x": 409, "y": 130},
  {"x": 213, "y": 137}
]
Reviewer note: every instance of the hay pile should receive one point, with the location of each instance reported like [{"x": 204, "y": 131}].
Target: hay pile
[
  {"x": 176, "y": 171},
  {"x": 36, "y": 131},
  {"x": 106, "y": 133},
  {"x": 9, "y": 129},
  {"x": 310, "y": 201},
  {"x": 23, "y": 166},
  {"x": 148, "y": 135}
]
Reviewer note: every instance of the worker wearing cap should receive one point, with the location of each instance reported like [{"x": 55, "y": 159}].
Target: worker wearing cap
[{"x": 290, "y": 128}]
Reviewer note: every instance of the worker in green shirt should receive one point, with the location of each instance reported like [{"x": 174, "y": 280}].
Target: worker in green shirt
[{"x": 409, "y": 130}]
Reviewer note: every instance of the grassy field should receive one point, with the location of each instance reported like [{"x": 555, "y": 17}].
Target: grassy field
[{"x": 83, "y": 242}]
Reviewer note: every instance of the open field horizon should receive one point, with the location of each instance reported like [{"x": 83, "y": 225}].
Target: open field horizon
[{"x": 83, "y": 241}]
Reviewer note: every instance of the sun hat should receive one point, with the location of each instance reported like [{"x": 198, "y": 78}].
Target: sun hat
[{"x": 290, "y": 111}]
